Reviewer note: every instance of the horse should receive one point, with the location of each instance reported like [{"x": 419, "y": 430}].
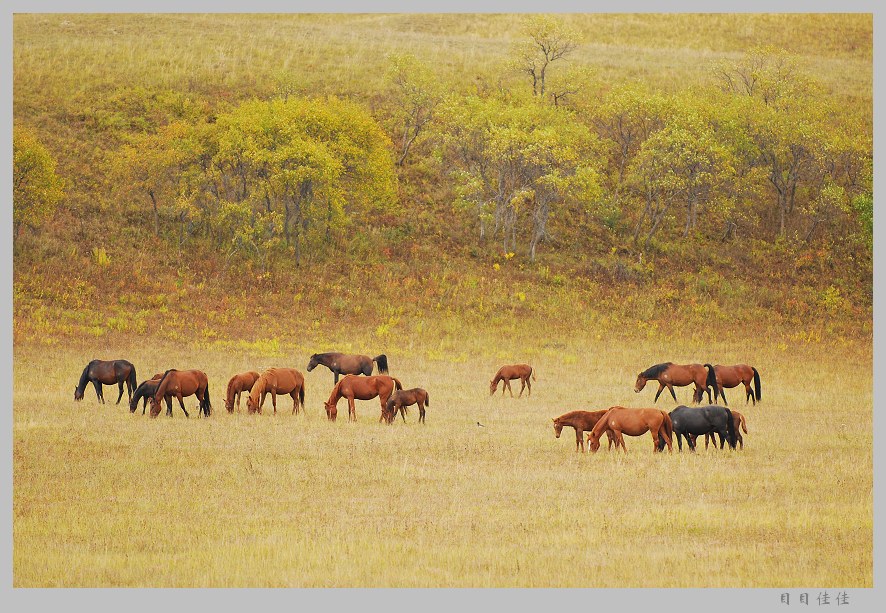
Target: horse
[
  {"x": 701, "y": 420},
  {"x": 108, "y": 373},
  {"x": 401, "y": 399},
  {"x": 633, "y": 422},
  {"x": 241, "y": 382},
  {"x": 144, "y": 391},
  {"x": 181, "y": 383},
  {"x": 581, "y": 421},
  {"x": 361, "y": 388},
  {"x": 732, "y": 376},
  {"x": 738, "y": 423},
  {"x": 277, "y": 381},
  {"x": 349, "y": 363},
  {"x": 512, "y": 371},
  {"x": 669, "y": 374}
]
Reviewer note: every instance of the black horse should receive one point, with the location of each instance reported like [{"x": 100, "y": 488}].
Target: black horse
[
  {"x": 348, "y": 364},
  {"x": 108, "y": 373},
  {"x": 699, "y": 421},
  {"x": 145, "y": 392}
]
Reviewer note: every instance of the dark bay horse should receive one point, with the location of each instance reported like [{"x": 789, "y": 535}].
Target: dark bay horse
[
  {"x": 241, "y": 382},
  {"x": 582, "y": 421},
  {"x": 512, "y": 371},
  {"x": 144, "y": 391},
  {"x": 633, "y": 422},
  {"x": 401, "y": 399},
  {"x": 276, "y": 381},
  {"x": 669, "y": 374},
  {"x": 692, "y": 422},
  {"x": 739, "y": 425},
  {"x": 733, "y": 376},
  {"x": 361, "y": 388},
  {"x": 110, "y": 372},
  {"x": 348, "y": 363},
  {"x": 181, "y": 383}
]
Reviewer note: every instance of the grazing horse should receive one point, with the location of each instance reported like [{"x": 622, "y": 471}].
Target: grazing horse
[
  {"x": 401, "y": 399},
  {"x": 239, "y": 383},
  {"x": 732, "y": 376},
  {"x": 633, "y": 422},
  {"x": 181, "y": 383},
  {"x": 277, "y": 381},
  {"x": 348, "y": 363},
  {"x": 144, "y": 392},
  {"x": 108, "y": 373},
  {"x": 738, "y": 423},
  {"x": 512, "y": 371},
  {"x": 582, "y": 421},
  {"x": 361, "y": 388},
  {"x": 692, "y": 422},
  {"x": 669, "y": 374}
]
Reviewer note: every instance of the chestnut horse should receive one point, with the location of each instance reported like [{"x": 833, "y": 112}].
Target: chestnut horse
[
  {"x": 181, "y": 383},
  {"x": 732, "y": 376},
  {"x": 108, "y": 372},
  {"x": 277, "y": 381},
  {"x": 582, "y": 421},
  {"x": 361, "y": 388},
  {"x": 348, "y": 363},
  {"x": 669, "y": 374},
  {"x": 144, "y": 391},
  {"x": 512, "y": 371},
  {"x": 738, "y": 422},
  {"x": 401, "y": 399},
  {"x": 633, "y": 422},
  {"x": 241, "y": 382}
]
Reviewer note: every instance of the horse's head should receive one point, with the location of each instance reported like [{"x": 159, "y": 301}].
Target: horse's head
[
  {"x": 313, "y": 363},
  {"x": 558, "y": 427},
  {"x": 331, "y": 410},
  {"x": 78, "y": 393},
  {"x": 155, "y": 406},
  {"x": 133, "y": 404},
  {"x": 492, "y": 387},
  {"x": 640, "y": 384},
  {"x": 229, "y": 404},
  {"x": 251, "y": 405},
  {"x": 593, "y": 442}
]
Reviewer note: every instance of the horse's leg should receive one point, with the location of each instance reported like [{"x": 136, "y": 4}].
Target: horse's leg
[
  {"x": 671, "y": 390},
  {"x": 98, "y": 390},
  {"x": 336, "y": 373},
  {"x": 661, "y": 386},
  {"x": 421, "y": 412},
  {"x": 403, "y": 411},
  {"x": 274, "y": 399},
  {"x": 168, "y": 406},
  {"x": 620, "y": 440},
  {"x": 294, "y": 395},
  {"x": 749, "y": 393},
  {"x": 352, "y": 410},
  {"x": 529, "y": 385},
  {"x": 522, "y": 386},
  {"x": 579, "y": 439},
  {"x": 181, "y": 401},
  {"x": 723, "y": 393},
  {"x": 508, "y": 381},
  {"x": 120, "y": 384}
]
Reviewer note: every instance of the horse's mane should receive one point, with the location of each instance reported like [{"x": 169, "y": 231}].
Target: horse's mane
[
  {"x": 654, "y": 371},
  {"x": 84, "y": 378},
  {"x": 336, "y": 391},
  {"x": 321, "y": 356},
  {"x": 162, "y": 379}
]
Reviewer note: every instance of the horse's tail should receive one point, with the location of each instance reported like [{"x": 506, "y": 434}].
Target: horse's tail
[
  {"x": 756, "y": 383},
  {"x": 712, "y": 381},
  {"x": 743, "y": 425},
  {"x": 382, "y": 363},
  {"x": 668, "y": 426},
  {"x": 730, "y": 429},
  {"x": 207, "y": 404},
  {"x": 397, "y": 384},
  {"x": 133, "y": 380},
  {"x": 301, "y": 394},
  {"x": 427, "y": 399},
  {"x": 532, "y": 370}
]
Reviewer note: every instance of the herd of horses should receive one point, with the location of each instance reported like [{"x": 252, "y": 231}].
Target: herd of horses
[{"x": 358, "y": 383}]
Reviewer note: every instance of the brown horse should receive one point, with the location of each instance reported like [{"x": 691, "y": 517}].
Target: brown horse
[
  {"x": 361, "y": 388},
  {"x": 348, "y": 363},
  {"x": 633, "y": 422},
  {"x": 401, "y": 399},
  {"x": 732, "y": 376},
  {"x": 582, "y": 421},
  {"x": 181, "y": 383},
  {"x": 110, "y": 372},
  {"x": 241, "y": 382},
  {"x": 740, "y": 424},
  {"x": 277, "y": 381},
  {"x": 144, "y": 391},
  {"x": 512, "y": 371},
  {"x": 669, "y": 374}
]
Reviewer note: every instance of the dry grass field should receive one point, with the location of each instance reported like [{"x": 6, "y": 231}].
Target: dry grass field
[{"x": 106, "y": 498}]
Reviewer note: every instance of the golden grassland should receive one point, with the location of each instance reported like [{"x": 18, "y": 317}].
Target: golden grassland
[{"x": 103, "y": 497}]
